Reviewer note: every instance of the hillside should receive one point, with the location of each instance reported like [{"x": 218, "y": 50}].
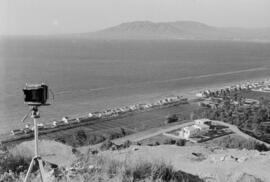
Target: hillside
[{"x": 180, "y": 30}]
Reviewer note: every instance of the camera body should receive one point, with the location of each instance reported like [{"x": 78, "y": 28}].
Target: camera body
[{"x": 36, "y": 94}]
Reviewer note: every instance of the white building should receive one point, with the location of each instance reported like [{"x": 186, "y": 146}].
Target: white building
[
  {"x": 17, "y": 132},
  {"x": 201, "y": 126},
  {"x": 58, "y": 123},
  {"x": 65, "y": 119},
  {"x": 90, "y": 115},
  {"x": 189, "y": 131}
]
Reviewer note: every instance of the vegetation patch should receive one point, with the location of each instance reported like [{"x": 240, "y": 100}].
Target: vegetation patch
[
  {"x": 82, "y": 137},
  {"x": 240, "y": 143},
  {"x": 110, "y": 169}
]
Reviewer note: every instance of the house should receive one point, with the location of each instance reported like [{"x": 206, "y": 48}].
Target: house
[
  {"x": 97, "y": 115},
  {"x": 200, "y": 95},
  {"x": 47, "y": 126},
  {"x": 40, "y": 126},
  {"x": 27, "y": 130},
  {"x": 17, "y": 132},
  {"x": 65, "y": 119},
  {"x": 73, "y": 121},
  {"x": 90, "y": 115},
  {"x": 58, "y": 123},
  {"x": 203, "y": 121},
  {"x": 83, "y": 119}
]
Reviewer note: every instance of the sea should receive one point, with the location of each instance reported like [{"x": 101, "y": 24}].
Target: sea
[{"x": 88, "y": 75}]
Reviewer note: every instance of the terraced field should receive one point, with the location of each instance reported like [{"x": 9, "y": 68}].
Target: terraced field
[{"x": 132, "y": 123}]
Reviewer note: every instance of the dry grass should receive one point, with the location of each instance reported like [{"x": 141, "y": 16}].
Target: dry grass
[{"x": 107, "y": 168}]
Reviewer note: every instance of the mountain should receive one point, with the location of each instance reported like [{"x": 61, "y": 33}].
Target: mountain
[{"x": 180, "y": 30}]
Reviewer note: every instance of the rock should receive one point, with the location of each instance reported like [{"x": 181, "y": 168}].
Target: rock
[
  {"x": 248, "y": 178},
  {"x": 242, "y": 159},
  {"x": 91, "y": 167},
  {"x": 222, "y": 158}
]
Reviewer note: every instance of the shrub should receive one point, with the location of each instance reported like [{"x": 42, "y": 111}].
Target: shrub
[
  {"x": 81, "y": 137},
  {"x": 14, "y": 163},
  {"x": 181, "y": 142},
  {"x": 139, "y": 143},
  {"x": 236, "y": 142},
  {"x": 115, "y": 135},
  {"x": 169, "y": 141},
  {"x": 61, "y": 140},
  {"x": 127, "y": 144},
  {"x": 138, "y": 171},
  {"x": 95, "y": 139},
  {"x": 171, "y": 118},
  {"x": 106, "y": 145},
  {"x": 110, "y": 169},
  {"x": 261, "y": 147},
  {"x": 157, "y": 143},
  {"x": 162, "y": 171}
]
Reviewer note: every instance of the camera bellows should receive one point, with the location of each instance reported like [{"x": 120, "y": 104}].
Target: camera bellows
[{"x": 36, "y": 94}]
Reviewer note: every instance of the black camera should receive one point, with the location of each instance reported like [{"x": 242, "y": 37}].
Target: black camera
[{"x": 36, "y": 94}]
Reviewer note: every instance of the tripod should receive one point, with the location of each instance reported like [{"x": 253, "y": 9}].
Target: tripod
[{"x": 36, "y": 159}]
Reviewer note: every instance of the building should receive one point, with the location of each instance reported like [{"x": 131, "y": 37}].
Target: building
[
  {"x": 17, "y": 132},
  {"x": 90, "y": 115},
  {"x": 201, "y": 126},
  {"x": 58, "y": 123},
  {"x": 65, "y": 119},
  {"x": 189, "y": 131}
]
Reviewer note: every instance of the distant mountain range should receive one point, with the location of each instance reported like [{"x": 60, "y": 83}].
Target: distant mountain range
[{"x": 187, "y": 30}]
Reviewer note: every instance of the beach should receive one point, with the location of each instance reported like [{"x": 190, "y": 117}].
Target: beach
[{"x": 92, "y": 75}]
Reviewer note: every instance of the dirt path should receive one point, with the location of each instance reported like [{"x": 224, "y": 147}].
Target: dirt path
[
  {"x": 157, "y": 131},
  {"x": 239, "y": 132},
  {"x": 150, "y": 133}
]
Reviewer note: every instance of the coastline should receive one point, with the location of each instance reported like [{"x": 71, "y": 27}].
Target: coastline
[{"x": 189, "y": 94}]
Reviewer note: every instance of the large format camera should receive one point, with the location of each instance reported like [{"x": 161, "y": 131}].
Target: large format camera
[{"x": 36, "y": 94}]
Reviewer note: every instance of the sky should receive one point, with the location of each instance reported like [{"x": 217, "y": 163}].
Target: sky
[{"x": 21, "y": 17}]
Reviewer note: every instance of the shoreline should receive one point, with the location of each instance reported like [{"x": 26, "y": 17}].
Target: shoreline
[{"x": 189, "y": 94}]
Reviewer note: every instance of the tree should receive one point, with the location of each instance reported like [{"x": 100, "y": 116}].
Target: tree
[
  {"x": 81, "y": 137},
  {"x": 172, "y": 118}
]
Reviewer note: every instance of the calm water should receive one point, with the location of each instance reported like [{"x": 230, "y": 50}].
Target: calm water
[{"x": 87, "y": 75}]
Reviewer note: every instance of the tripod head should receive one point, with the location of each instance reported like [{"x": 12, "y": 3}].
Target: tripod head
[{"x": 34, "y": 113}]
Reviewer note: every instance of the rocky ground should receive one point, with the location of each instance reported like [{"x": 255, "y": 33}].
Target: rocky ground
[{"x": 209, "y": 163}]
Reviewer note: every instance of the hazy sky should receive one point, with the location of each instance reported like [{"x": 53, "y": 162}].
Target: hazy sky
[{"x": 71, "y": 16}]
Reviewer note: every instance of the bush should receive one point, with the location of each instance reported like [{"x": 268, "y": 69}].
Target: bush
[
  {"x": 115, "y": 135},
  {"x": 81, "y": 137},
  {"x": 95, "y": 139},
  {"x": 106, "y": 145},
  {"x": 261, "y": 147},
  {"x": 236, "y": 142},
  {"x": 157, "y": 143},
  {"x": 171, "y": 118},
  {"x": 162, "y": 171},
  {"x": 169, "y": 141},
  {"x": 127, "y": 144},
  {"x": 181, "y": 142},
  {"x": 138, "y": 170},
  {"x": 14, "y": 163}
]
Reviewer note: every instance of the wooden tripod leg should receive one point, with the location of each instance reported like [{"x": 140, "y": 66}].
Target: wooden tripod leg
[
  {"x": 29, "y": 169},
  {"x": 41, "y": 169}
]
